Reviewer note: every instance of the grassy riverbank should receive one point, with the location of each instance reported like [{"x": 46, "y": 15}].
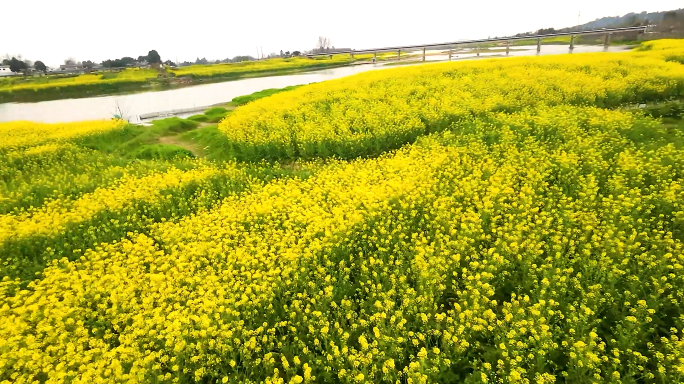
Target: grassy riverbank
[{"x": 33, "y": 89}]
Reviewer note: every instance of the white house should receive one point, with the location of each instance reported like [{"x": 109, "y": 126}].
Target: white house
[{"x": 5, "y": 71}]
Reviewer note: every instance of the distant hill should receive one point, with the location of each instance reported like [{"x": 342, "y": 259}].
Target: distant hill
[
  {"x": 666, "y": 19},
  {"x": 628, "y": 20}
]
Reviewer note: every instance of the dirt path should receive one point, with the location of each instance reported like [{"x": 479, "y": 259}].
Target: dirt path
[{"x": 196, "y": 150}]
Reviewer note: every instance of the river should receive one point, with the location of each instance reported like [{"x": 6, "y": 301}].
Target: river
[{"x": 133, "y": 105}]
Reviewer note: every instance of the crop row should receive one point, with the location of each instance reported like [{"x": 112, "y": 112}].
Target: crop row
[
  {"x": 531, "y": 232},
  {"x": 540, "y": 245}
]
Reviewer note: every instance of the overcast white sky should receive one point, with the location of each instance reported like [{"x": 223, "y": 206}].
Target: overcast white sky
[{"x": 98, "y": 30}]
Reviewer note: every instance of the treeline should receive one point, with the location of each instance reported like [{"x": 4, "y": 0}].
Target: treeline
[
  {"x": 18, "y": 64},
  {"x": 236, "y": 59},
  {"x": 152, "y": 57}
]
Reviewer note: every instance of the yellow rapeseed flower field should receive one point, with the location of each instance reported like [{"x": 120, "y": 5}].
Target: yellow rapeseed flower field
[
  {"x": 57, "y": 196},
  {"x": 54, "y": 215},
  {"x": 20, "y": 134},
  {"x": 247, "y": 67},
  {"x": 132, "y": 75},
  {"x": 373, "y": 112},
  {"x": 510, "y": 220}
]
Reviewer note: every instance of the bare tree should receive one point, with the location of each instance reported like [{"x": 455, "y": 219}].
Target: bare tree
[
  {"x": 120, "y": 112},
  {"x": 323, "y": 43},
  {"x": 70, "y": 61}
]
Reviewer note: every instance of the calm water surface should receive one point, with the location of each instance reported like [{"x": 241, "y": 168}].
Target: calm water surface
[{"x": 133, "y": 105}]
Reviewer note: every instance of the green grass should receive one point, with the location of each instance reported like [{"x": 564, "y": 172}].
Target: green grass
[
  {"x": 242, "y": 100},
  {"x": 211, "y": 115},
  {"x": 161, "y": 152},
  {"x": 141, "y": 142},
  {"x": 199, "y": 118},
  {"x": 213, "y": 142},
  {"x": 670, "y": 109},
  {"x": 216, "y": 114},
  {"x": 215, "y": 111}
]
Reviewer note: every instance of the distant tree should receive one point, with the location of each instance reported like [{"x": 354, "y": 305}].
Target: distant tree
[
  {"x": 142, "y": 58},
  {"x": 70, "y": 61},
  {"x": 546, "y": 31},
  {"x": 287, "y": 53},
  {"x": 296, "y": 53},
  {"x": 323, "y": 43},
  {"x": 87, "y": 64},
  {"x": 153, "y": 57},
  {"x": 170, "y": 63},
  {"x": 281, "y": 53},
  {"x": 670, "y": 21},
  {"x": 238, "y": 59},
  {"x": 39, "y": 66},
  {"x": 118, "y": 63},
  {"x": 126, "y": 61},
  {"x": 17, "y": 65},
  {"x": 670, "y": 16}
]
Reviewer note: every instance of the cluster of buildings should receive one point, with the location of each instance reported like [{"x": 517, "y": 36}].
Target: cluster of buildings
[
  {"x": 5, "y": 71},
  {"x": 75, "y": 68},
  {"x": 65, "y": 68}
]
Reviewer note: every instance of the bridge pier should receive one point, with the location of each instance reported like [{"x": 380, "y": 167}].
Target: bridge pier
[
  {"x": 572, "y": 42},
  {"x": 375, "y": 57},
  {"x": 539, "y": 45},
  {"x": 351, "y": 56},
  {"x": 423, "y": 53},
  {"x": 449, "y": 54},
  {"x": 477, "y": 49},
  {"x": 607, "y": 39},
  {"x": 508, "y": 47},
  {"x": 398, "y": 54}
]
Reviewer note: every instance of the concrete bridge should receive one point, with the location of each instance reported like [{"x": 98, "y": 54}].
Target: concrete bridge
[{"x": 607, "y": 33}]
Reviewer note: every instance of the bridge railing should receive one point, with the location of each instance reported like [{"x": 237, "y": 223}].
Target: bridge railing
[{"x": 608, "y": 33}]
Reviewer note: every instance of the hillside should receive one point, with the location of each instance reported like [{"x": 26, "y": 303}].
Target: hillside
[{"x": 665, "y": 20}]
